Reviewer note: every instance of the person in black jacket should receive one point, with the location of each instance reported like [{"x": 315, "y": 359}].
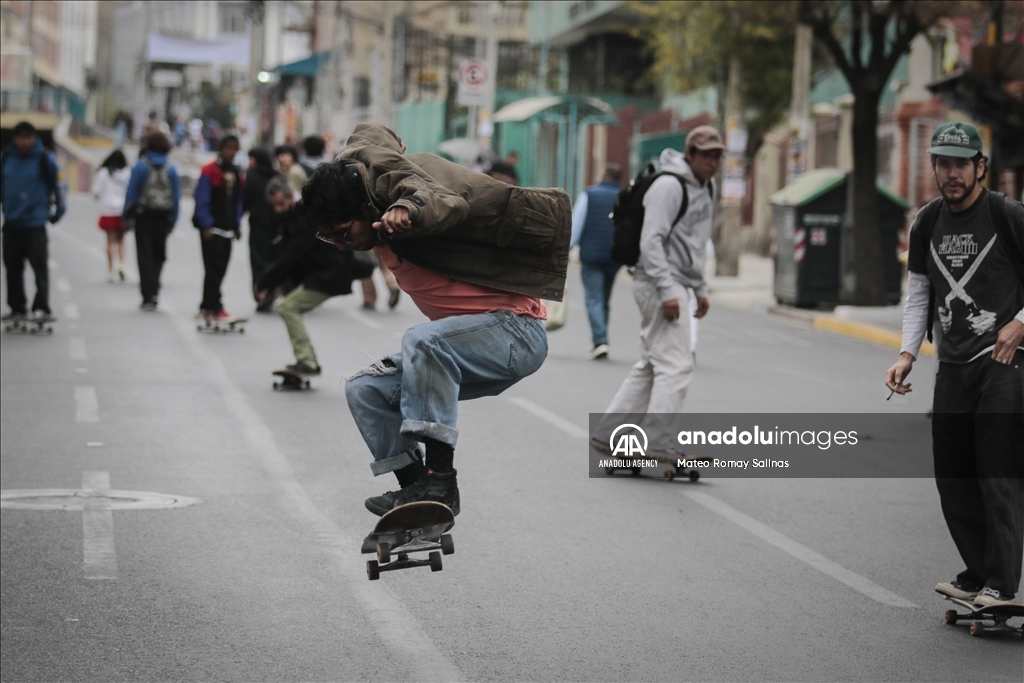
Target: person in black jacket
[
  {"x": 320, "y": 271},
  {"x": 262, "y": 220}
]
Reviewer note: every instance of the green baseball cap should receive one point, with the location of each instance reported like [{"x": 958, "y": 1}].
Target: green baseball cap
[{"x": 956, "y": 139}]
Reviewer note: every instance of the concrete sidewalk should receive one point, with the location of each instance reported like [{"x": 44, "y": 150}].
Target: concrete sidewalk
[{"x": 753, "y": 290}]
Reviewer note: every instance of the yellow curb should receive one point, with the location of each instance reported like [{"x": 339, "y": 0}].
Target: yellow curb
[{"x": 868, "y": 333}]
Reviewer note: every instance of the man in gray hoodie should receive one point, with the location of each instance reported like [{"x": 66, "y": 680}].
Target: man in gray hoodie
[{"x": 669, "y": 272}]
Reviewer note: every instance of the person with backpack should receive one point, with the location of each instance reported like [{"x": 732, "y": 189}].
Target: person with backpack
[
  {"x": 110, "y": 187},
  {"x": 966, "y": 263},
  {"x": 151, "y": 206},
  {"x": 218, "y": 217},
  {"x": 592, "y": 230},
  {"x": 31, "y": 194},
  {"x": 476, "y": 256},
  {"x": 675, "y": 225},
  {"x": 318, "y": 270}
]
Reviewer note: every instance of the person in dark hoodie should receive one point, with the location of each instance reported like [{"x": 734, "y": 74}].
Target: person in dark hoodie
[
  {"x": 151, "y": 206},
  {"x": 31, "y": 195},
  {"x": 319, "y": 270},
  {"x": 218, "y": 216},
  {"x": 263, "y": 223}
]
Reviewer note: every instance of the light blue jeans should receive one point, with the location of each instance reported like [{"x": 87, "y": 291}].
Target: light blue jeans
[
  {"x": 413, "y": 394},
  {"x": 598, "y": 280}
]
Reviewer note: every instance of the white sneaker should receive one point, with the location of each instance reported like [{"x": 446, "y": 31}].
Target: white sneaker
[
  {"x": 990, "y": 597},
  {"x": 598, "y": 352}
]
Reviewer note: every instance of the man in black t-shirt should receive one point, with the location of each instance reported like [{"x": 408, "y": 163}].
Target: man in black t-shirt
[{"x": 965, "y": 256}]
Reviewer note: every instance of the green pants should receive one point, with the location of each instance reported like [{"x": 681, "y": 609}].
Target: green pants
[{"x": 291, "y": 308}]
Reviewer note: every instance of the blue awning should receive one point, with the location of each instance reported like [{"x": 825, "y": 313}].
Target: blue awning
[{"x": 308, "y": 66}]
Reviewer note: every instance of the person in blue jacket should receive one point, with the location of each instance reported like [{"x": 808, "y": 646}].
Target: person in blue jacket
[
  {"x": 31, "y": 195},
  {"x": 592, "y": 230},
  {"x": 151, "y": 206}
]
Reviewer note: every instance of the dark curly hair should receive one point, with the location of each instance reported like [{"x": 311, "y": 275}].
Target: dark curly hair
[{"x": 333, "y": 194}]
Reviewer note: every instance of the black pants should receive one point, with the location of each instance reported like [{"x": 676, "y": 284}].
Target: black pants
[
  {"x": 151, "y": 230},
  {"x": 32, "y": 244},
  {"x": 216, "y": 255},
  {"x": 979, "y": 466}
]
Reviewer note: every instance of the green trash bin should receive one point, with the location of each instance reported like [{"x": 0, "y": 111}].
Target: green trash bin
[{"x": 807, "y": 217}]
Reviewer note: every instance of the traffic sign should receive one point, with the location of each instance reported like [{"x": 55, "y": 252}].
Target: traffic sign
[{"x": 473, "y": 82}]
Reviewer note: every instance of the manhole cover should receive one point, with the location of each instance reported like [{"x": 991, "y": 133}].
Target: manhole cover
[{"x": 78, "y": 500}]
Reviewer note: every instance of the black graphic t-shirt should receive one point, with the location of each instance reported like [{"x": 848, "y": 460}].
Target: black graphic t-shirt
[{"x": 977, "y": 291}]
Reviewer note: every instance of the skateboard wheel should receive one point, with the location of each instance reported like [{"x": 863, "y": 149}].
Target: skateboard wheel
[
  {"x": 435, "y": 561},
  {"x": 383, "y": 553},
  {"x": 372, "y": 570},
  {"x": 951, "y": 616},
  {"x": 609, "y": 470},
  {"x": 977, "y": 628},
  {"x": 635, "y": 471},
  {"x": 447, "y": 544},
  {"x": 694, "y": 475},
  {"x": 668, "y": 475}
]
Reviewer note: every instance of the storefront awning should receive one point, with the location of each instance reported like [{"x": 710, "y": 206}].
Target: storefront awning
[
  {"x": 169, "y": 50},
  {"x": 592, "y": 108},
  {"x": 307, "y": 66}
]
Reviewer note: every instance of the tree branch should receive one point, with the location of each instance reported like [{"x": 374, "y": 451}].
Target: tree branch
[{"x": 821, "y": 25}]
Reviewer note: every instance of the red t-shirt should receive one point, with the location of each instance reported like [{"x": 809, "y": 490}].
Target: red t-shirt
[{"x": 439, "y": 296}]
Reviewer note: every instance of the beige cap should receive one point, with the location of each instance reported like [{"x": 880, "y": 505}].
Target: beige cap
[{"x": 704, "y": 138}]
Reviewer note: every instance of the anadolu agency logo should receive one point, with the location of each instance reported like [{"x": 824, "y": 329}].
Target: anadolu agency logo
[{"x": 628, "y": 444}]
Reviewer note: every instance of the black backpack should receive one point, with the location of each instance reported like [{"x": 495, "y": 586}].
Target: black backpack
[
  {"x": 929, "y": 216},
  {"x": 628, "y": 214}
]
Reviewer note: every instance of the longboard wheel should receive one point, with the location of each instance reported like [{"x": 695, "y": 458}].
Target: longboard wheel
[
  {"x": 635, "y": 471},
  {"x": 372, "y": 570},
  {"x": 383, "y": 553},
  {"x": 951, "y": 616},
  {"x": 977, "y": 628},
  {"x": 694, "y": 475},
  {"x": 447, "y": 544},
  {"x": 435, "y": 561},
  {"x": 668, "y": 475},
  {"x": 609, "y": 470}
]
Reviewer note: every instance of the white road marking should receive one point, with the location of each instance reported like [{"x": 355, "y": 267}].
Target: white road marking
[
  {"x": 63, "y": 285},
  {"x": 87, "y": 407},
  {"x": 800, "y": 551},
  {"x": 76, "y": 348},
  {"x": 99, "y": 559},
  {"x": 363, "y": 319},
  {"x": 399, "y": 630},
  {"x": 549, "y": 417},
  {"x": 71, "y": 312}
]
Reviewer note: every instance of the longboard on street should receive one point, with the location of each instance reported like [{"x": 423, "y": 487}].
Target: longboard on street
[
  {"x": 30, "y": 325},
  {"x": 291, "y": 379},
  {"x": 999, "y": 616},
  {"x": 222, "y": 326},
  {"x": 407, "y": 529},
  {"x": 659, "y": 457}
]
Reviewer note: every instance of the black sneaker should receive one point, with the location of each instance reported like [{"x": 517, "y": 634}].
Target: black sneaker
[
  {"x": 13, "y": 317},
  {"x": 958, "y": 589},
  {"x": 302, "y": 368},
  {"x": 379, "y": 505},
  {"x": 440, "y": 487}
]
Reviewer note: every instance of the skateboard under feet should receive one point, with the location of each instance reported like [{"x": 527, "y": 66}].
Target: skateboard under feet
[
  {"x": 661, "y": 457},
  {"x": 408, "y": 529},
  {"x": 292, "y": 380},
  {"x": 999, "y": 616},
  {"x": 222, "y": 326},
  {"x": 30, "y": 325}
]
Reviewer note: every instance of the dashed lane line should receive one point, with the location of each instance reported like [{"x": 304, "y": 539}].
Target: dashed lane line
[
  {"x": 87, "y": 406},
  {"x": 99, "y": 560},
  {"x": 551, "y": 418}
]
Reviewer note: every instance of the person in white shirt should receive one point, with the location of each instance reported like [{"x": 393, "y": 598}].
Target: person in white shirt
[{"x": 109, "y": 188}]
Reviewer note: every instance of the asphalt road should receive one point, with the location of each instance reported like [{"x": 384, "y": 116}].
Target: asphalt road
[{"x": 246, "y": 567}]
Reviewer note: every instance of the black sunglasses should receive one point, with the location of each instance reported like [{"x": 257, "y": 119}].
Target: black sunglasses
[{"x": 342, "y": 238}]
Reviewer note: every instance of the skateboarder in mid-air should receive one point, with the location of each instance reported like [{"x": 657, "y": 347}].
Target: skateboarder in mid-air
[{"x": 475, "y": 255}]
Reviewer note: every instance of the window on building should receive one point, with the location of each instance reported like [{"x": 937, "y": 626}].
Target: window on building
[{"x": 232, "y": 17}]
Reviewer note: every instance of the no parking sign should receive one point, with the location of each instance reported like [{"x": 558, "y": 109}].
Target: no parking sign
[{"x": 473, "y": 77}]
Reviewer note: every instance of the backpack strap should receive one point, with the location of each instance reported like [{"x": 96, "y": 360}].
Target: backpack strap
[{"x": 1001, "y": 223}]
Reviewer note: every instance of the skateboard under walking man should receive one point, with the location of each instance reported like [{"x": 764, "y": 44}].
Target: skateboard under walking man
[
  {"x": 476, "y": 256},
  {"x": 966, "y": 264}
]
